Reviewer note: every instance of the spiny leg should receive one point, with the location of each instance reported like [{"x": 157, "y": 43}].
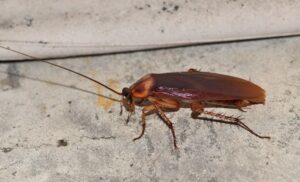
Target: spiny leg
[
  {"x": 146, "y": 110},
  {"x": 168, "y": 122},
  {"x": 197, "y": 109},
  {"x": 234, "y": 121}
]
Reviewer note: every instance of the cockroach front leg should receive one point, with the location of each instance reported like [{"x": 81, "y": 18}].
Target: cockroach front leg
[
  {"x": 121, "y": 109},
  {"x": 146, "y": 110},
  {"x": 197, "y": 109},
  {"x": 128, "y": 117}
]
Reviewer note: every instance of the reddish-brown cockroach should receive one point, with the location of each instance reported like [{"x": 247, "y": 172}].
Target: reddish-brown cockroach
[{"x": 158, "y": 93}]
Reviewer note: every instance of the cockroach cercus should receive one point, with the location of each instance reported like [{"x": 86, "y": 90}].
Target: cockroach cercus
[{"x": 160, "y": 93}]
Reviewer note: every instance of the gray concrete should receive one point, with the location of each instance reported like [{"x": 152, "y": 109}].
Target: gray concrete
[{"x": 37, "y": 111}]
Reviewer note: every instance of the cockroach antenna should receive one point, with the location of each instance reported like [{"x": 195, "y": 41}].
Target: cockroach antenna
[{"x": 75, "y": 72}]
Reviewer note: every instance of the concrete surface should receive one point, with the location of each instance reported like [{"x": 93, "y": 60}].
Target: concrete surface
[
  {"x": 52, "y": 28},
  {"x": 50, "y": 132}
]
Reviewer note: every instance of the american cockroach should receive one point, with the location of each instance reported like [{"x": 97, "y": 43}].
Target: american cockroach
[{"x": 165, "y": 92}]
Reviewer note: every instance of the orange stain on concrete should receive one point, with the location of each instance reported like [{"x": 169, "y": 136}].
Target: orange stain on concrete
[{"x": 102, "y": 101}]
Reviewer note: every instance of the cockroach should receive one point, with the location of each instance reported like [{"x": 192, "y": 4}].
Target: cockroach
[{"x": 165, "y": 92}]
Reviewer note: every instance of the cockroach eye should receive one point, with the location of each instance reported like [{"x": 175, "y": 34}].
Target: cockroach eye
[{"x": 125, "y": 92}]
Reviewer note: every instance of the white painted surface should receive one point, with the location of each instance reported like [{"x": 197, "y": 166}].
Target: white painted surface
[{"x": 69, "y": 28}]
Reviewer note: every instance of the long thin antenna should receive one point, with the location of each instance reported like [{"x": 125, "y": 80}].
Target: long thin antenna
[{"x": 89, "y": 78}]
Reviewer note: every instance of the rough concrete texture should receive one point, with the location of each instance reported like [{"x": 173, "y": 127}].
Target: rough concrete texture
[{"x": 53, "y": 132}]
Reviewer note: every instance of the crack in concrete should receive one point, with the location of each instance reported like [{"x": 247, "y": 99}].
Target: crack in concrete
[
  {"x": 99, "y": 138},
  {"x": 9, "y": 165},
  {"x": 13, "y": 81}
]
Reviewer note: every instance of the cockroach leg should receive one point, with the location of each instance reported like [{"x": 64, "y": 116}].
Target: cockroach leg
[
  {"x": 234, "y": 121},
  {"x": 169, "y": 105},
  {"x": 146, "y": 110},
  {"x": 128, "y": 117},
  {"x": 168, "y": 123},
  {"x": 241, "y": 109},
  {"x": 197, "y": 109},
  {"x": 121, "y": 109},
  {"x": 158, "y": 105},
  {"x": 240, "y": 104}
]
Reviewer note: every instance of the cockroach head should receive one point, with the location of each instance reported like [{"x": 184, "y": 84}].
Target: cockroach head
[
  {"x": 125, "y": 92},
  {"x": 127, "y": 99}
]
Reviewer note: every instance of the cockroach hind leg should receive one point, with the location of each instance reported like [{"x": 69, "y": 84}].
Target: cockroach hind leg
[
  {"x": 234, "y": 121},
  {"x": 197, "y": 109},
  {"x": 195, "y": 115},
  {"x": 244, "y": 126}
]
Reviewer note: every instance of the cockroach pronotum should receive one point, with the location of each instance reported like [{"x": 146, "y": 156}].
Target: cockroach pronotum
[{"x": 165, "y": 92}]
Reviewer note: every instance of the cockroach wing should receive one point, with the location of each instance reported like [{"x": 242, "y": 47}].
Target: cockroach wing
[{"x": 205, "y": 86}]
